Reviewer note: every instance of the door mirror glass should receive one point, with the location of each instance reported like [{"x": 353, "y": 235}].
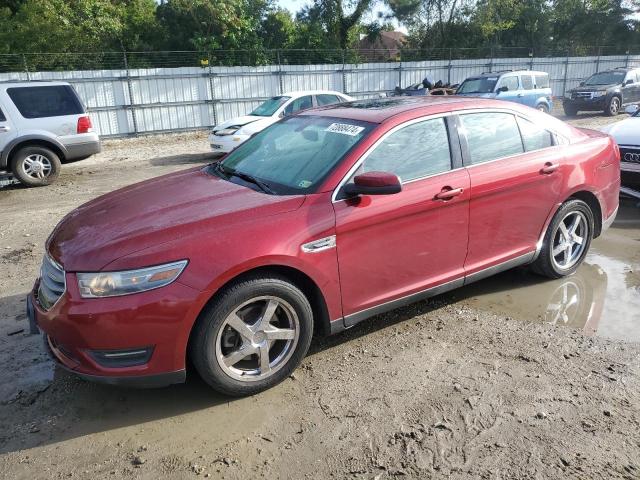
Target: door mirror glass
[
  {"x": 373, "y": 183},
  {"x": 631, "y": 109}
]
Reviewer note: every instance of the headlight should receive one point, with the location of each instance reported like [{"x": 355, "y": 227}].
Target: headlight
[
  {"x": 228, "y": 130},
  {"x": 598, "y": 94},
  {"x": 112, "y": 284}
]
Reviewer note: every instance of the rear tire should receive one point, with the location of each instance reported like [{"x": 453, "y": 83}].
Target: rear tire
[
  {"x": 566, "y": 241},
  {"x": 35, "y": 166},
  {"x": 252, "y": 336},
  {"x": 613, "y": 107}
]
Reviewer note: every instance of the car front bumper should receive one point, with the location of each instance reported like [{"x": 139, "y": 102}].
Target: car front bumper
[
  {"x": 226, "y": 143},
  {"x": 79, "y": 331},
  {"x": 586, "y": 104}
]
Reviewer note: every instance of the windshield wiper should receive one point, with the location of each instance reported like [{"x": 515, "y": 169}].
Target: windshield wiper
[
  {"x": 229, "y": 172},
  {"x": 251, "y": 179}
]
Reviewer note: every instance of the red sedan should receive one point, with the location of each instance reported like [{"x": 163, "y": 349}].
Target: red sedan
[{"x": 316, "y": 223}]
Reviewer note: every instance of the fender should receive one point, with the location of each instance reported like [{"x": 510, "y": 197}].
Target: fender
[{"x": 4, "y": 158}]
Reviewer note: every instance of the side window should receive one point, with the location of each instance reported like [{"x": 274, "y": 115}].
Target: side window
[
  {"x": 412, "y": 152},
  {"x": 2, "y": 117},
  {"x": 491, "y": 136},
  {"x": 533, "y": 136},
  {"x": 527, "y": 82},
  {"x": 298, "y": 104},
  {"x": 510, "y": 82},
  {"x": 542, "y": 81},
  {"x": 327, "y": 99},
  {"x": 42, "y": 102}
]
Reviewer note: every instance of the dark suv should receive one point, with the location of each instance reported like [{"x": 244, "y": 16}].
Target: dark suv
[{"x": 606, "y": 91}]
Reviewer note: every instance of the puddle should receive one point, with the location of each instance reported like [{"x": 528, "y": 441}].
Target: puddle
[{"x": 602, "y": 298}]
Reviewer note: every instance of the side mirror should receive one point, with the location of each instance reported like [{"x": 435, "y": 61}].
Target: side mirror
[
  {"x": 631, "y": 109},
  {"x": 581, "y": 84},
  {"x": 373, "y": 183},
  {"x": 502, "y": 89},
  {"x": 628, "y": 82}
]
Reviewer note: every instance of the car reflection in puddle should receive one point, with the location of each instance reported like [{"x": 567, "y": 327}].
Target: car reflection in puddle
[
  {"x": 602, "y": 298},
  {"x": 588, "y": 300}
]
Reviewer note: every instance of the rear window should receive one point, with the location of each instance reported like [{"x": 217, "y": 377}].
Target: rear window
[
  {"x": 542, "y": 81},
  {"x": 2, "y": 117},
  {"x": 41, "y": 102}
]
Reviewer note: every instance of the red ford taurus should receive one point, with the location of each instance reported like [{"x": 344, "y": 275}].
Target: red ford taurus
[{"x": 318, "y": 222}]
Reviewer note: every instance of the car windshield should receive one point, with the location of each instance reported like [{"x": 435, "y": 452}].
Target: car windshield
[
  {"x": 606, "y": 78},
  {"x": 478, "y": 85},
  {"x": 292, "y": 156},
  {"x": 269, "y": 107}
]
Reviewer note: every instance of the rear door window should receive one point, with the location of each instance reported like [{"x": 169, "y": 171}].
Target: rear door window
[
  {"x": 533, "y": 136},
  {"x": 491, "y": 135},
  {"x": 327, "y": 99},
  {"x": 49, "y": 101},
  {"x": 527, "y": 82},
  {"x": 542, "y": 81},
  {"x": 2, "y": 117}
]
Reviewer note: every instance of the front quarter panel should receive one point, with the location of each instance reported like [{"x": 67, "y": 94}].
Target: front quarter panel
[{"x": 217, "y": 257}]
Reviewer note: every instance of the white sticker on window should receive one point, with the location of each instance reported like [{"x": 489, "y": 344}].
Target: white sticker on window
[
  {"x": 492, "y": 78},
  {"x": 345, "y": 129}
]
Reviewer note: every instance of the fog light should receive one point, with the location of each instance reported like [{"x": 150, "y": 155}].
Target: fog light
[{"x": 122, "y": 358}]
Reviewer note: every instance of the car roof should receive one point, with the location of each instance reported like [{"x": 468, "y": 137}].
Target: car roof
[
  {"x": 377, "y": 110},
  {"x": 30, "y": 83},
  {"x": 302, "y": 93},
  {"x": 507, "y": 72}
]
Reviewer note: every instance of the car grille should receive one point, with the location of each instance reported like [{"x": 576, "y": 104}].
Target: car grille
[
  {"x": 630, "y": 155},
  {"x": 52, "y": 283},
  {"x": 582, "y": 95}
]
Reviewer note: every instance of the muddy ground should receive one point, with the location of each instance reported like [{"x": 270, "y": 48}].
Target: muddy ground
[{"x": 512, "y": 377}]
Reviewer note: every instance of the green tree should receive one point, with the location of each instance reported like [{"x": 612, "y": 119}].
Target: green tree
[
  {"x": 212, "y": 24},
  {"x": 278, "y": 30}
]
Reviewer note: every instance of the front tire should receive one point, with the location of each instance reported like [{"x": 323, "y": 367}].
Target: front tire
[
  {"x": 566, "y": 241},
  {"x": 613, "y": 107},
  {"x": 35, "y": 166},
  {"x": 542, "y": 107},
  {"x": 570, "y": 111},
  {"x": 253, "y": 335}
]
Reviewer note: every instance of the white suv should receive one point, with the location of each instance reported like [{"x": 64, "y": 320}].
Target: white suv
[
  {"x": 42, "y": 124},
  {"x": 230, "y": 134}
]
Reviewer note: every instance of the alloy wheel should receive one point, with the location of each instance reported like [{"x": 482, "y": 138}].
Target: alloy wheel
[
  {"x": 257, "y": 338},
  {"x": 37, "y": 166},
  {"x": 615, "y": 105},
  {"x": 569, "y": 240}
]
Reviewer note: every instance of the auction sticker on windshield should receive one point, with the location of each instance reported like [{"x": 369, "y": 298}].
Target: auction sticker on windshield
[{"x": 345, "y": 129}]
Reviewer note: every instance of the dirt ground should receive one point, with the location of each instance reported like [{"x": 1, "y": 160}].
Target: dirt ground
[{"x": 485, "y": 382}]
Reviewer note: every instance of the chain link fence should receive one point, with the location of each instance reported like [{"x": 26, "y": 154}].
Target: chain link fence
[{"x": 150, "y": 92}]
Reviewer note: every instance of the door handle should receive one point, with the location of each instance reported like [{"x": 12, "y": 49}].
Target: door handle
[
  {"x": 549, "y": 168},
  {"x": 447, "y": 193},
  {"x": 4, "y": 128}
]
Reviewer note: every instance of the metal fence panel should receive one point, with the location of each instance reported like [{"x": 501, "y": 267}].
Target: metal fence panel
[{"x": 173, "y": 91}]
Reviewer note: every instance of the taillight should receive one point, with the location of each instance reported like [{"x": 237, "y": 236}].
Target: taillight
[{"x": 85, "y": 125}]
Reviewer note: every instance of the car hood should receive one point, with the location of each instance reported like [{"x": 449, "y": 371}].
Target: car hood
[
  {"x": 593, "y": 88},
  {"x": 626, "y": 132},
  {"x": 154, "y": 212},
  {"x": 240, "y": 121}
]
